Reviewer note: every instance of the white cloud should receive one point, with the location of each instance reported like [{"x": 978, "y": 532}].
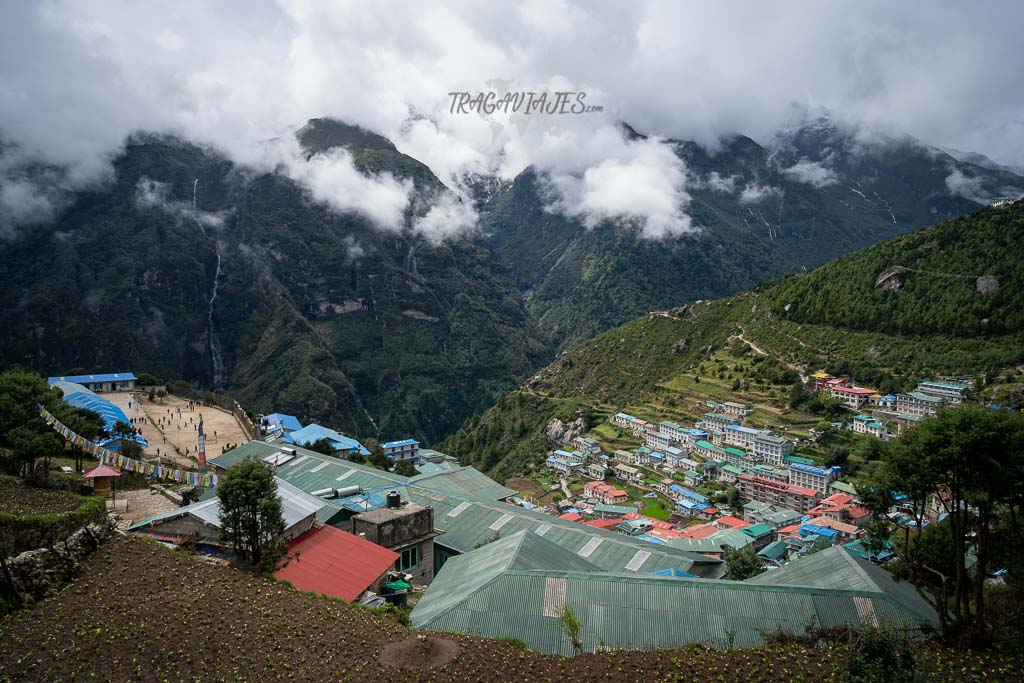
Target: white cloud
[
  {"x": 448, "y": 216},
  {"x": 754, "y": 193},
  {"x": 154, "y": 194},
  {"x": 77, "y": 78},
  {"x": 968, "y": 187},
  {"x": 812, "y": 172},
  {"x": 333, "y": 179},
  {"x": 719, "y": 183},
  {"x": 643, "y": 183}
]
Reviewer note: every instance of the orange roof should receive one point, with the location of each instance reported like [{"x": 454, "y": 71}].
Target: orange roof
[
  {"x": 102, "y": 471},
  {"x": 570, "y": 517},
  {"x": 732, "y": 522},
  {"x": 335, "y": 563},
  {"x": 603, "y": 523},
  {"x": 699, "y": 531},
  {"x": 791, "y": 529},
  {"x": 833, "y": 524}
]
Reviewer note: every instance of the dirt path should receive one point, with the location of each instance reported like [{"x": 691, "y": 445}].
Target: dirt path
[
  {"x": 171, "y": 427},
  {"x": 139, "y": 504}
]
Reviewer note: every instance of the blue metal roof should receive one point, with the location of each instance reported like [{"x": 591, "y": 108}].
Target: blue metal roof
[
  {"x": 811, "y": 470},
  {"x": 741, "y": 428},
  {"x": 86, "y": 379},
  {"x": 399, "y": 444},
  {"x": 289, "y": 423},
  {"x": 110, "y": 413},
  {"x": 315, "y": 432}
]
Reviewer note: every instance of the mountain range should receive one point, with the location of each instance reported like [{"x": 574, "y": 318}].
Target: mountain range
[{"x": 192, "y": 266}]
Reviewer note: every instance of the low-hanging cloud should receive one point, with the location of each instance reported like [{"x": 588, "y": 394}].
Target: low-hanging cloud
[
  {"x": 77, "y": 78},
  {"x": 754, "y": 193},
  {"x": 813, "y": 173},
  {"x": 151, "y": 193}
]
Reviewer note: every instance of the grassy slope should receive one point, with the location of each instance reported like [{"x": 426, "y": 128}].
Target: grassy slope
[{"x": 648, "y": 365}]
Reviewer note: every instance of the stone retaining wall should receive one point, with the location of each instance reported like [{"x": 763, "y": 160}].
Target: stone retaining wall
[{"x": 39, "y": 573}]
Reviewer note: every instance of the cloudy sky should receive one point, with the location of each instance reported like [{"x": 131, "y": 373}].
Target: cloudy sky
[{"x": 77, "y": 78}]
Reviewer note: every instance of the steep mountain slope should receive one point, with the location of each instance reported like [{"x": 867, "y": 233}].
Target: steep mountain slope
[
  {"x": 816, "y": 192},
  {"x": 845, "y": 316},
  {"x": 316, "y": 313}
]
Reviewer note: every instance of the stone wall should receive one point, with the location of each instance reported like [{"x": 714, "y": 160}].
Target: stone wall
[{"x": 39, "y": 573}]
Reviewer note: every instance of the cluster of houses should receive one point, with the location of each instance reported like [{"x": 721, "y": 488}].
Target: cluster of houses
[
  {"x": 903, "y": 410},
  {"x": 288, "y": 429}
]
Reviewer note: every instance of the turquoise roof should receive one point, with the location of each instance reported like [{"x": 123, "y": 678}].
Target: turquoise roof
[{"x": 314, "y": 432}]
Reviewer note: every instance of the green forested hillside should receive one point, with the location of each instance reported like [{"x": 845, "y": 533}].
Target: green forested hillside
[
  {"x": 936, "y": 274},
  {"x": 658, "y": 360},
  {"x": 757, "y": 222},
  {"x": 318, "y": 314}
]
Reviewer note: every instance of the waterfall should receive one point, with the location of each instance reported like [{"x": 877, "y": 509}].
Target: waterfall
[{"x": 218, "y": 366}]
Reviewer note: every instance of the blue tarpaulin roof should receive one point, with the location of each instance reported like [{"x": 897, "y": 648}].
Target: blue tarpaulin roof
[
  {"x": 315, "y": 432},
  {"x": 110, "y": 413}
]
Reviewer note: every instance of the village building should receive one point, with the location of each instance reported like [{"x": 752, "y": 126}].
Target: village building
[
  {"x": 775, "y": 517},
  {"x": 730, "y": 474},
  {"x": 774, "y": 554},
  {"x": 201, "y": 520},
  {"x": 115, "y": 381},
  {"x": 342, "y": 445},
  {"x": 917, "y": 403},
  {"x": 852, "y": 397},
  {"x": 279, "y": 423},
  {"x": 405, "y": 528},
  {"x": 406, "y": 449},
  {"x": 642, "y": 456},
  {"x": 842, "y": 508},
  {"x": 675, "y": 432},
  {"x": 950, "y": 392},
  {"x": 658, "y": 441},
  {"x": 738, "y": 435},
  {"x": 769, "y": 472},
  {"x": 561, "y": 464},
  {"x": 587, "y": 446},
  {"x": 627, "y": 472},
  {"x": 709, "y": 450},
  {"x": 772, "y": 448},
  {"x": 79, "y": 396},
  {"x": 329, "y": 561},
  {"x": 760, "y": 535},
  {"x": 816, "y": 478},
  {"x": 624, "y": 420},
  {"x": 595, "y": 471},
  {"x": 776, "y": 493},
  {"x": 693, "y": 478},
  {"x": 730, "y": 522},
  {"x": 865, "y": 424},
  {"x": 716, "y": 422}
]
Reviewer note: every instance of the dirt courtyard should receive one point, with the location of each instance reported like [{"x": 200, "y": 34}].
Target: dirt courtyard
[{"x": 171, "y": 426}]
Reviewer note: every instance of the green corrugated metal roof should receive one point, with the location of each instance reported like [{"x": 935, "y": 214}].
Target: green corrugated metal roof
[
  {"x": 736, "y": 540},
  {"x": 843, "y": 487},
  {"x": 466, "y": 524},
  {"x": 781, "y": 516},
  {"x": 696, "y": 545},
  {"x": 733, "y": 469},
  {"x": 756, "y": 530},
  {"x": 774, "y": 550},
  {"x": 488, "y": 597},
  {"x": 464, "y": 481},
  {"x": 837, "y": 567},
  {"x": 310, "y": 470}
]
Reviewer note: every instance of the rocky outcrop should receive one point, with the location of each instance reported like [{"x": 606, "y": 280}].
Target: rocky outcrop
[
  {"x": 39, "y": 573},
  {"x": 559, "y": 432}
]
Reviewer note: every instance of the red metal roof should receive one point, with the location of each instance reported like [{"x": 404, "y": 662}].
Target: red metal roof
[
  {"x": 603, "y": 523},
  {"x": 102, "y": 471},
  {"x": 571, "y": 517},
  {"x": 335, "y": 563}
]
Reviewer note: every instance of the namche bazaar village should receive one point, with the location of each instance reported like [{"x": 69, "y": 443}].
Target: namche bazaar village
[{"x": 473, "y": 556}]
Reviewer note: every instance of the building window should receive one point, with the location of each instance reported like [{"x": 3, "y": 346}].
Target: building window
[{"x": 410, "y": 558}]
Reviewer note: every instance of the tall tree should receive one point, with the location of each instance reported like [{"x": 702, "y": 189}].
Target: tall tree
[
  {"x": 250, "y": 513},
  {"x": 968, "y": 464}
]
